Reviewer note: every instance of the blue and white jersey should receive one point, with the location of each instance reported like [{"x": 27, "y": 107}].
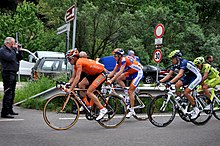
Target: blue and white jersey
[{"x": 189, "y": 68}]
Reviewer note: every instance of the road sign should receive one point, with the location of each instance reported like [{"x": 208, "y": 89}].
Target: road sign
[
  {"x": 70, "y": 14},
  {"x": 158, "y": 41},
  {"x": 159, "y": 30},
  {"x": 157, "y": 56},
  {"x": 64, "y": 28}
]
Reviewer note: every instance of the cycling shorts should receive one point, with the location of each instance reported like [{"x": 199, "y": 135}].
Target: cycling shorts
[
  {"x": 96, "y": 80},
  {"x": 135, "y": 77},
  {"x": 191, "y": 81}
]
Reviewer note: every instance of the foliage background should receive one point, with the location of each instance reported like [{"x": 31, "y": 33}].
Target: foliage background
[{"x": 190, "y": 25}]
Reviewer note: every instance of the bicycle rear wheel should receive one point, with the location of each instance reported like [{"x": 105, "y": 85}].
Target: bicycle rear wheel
[
  {"x": 216, "y": 107},
  {"x": 116, "y": 111},
  {"x": 161, "y": 111},
  {"x": 205, "y": 114},
  {"x": 57, "y": 118},
  {"x": 140, "y": 105}
]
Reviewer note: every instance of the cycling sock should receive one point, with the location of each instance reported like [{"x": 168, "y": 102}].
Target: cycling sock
[
  {"x": 132, "y": 109},
  {"x": 85, "y": 101},
  {"x": 91, "y": 103}
]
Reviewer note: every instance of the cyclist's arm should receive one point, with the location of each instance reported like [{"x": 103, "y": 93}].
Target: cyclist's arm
[
  {"x": 118, "y": 73},
  {"x": 205, "y": 75},
  {"x": 178, "y": 76},
  {"x": 76, "y": 79},
  {"x": 113, "y": 72},
  {"x": 73, "y": 76},
  {"x": 167, "y": 76}
]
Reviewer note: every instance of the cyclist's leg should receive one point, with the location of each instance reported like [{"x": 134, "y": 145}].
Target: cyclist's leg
[
  {"x": 134, "y": 84},
  {"x": 192, "y": 82},
  {"x": 121, "y": 79},
  {"x": 90, "y": 92},
  {"x": 178, "y": 84},
  {"x": 82, "y": 85}
]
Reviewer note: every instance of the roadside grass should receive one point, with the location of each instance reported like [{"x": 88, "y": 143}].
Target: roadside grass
[{"x": 34, "y": 87}]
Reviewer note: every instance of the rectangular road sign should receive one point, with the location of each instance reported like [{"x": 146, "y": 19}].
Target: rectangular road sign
[
  {"x": 70, "y": 14},
  {"x": 158, "y": 41},
  {"x": 64, "y": 28}
]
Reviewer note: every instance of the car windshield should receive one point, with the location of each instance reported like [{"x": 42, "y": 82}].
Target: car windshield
[{"x": 50, "y": 65}]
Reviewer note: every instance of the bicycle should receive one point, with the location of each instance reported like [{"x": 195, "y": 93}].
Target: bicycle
[
  {"x": 215, "y": 100},
  {"x": 142, "y": 99},
  {"x": 162, "y": 109},
  {"x": 61, "y": 111}
]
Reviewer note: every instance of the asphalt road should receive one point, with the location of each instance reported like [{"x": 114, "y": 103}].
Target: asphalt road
[{"x": 29, "y": 129}]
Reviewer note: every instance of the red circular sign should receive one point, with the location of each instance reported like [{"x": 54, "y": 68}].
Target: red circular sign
[
  {"x": 157, "y": 55},
  {"x": 159, "y": 30}
]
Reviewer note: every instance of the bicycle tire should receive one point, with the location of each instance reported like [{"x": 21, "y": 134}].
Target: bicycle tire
[
  {"x": 216, "y": 107},
  {"x": 160, "y": 114},
  {"x": 141, "y": 112},
  {"x": 60, "y": 120},
  {"x": 204, "y": 115},
  {"x": 116, "y": 111}
]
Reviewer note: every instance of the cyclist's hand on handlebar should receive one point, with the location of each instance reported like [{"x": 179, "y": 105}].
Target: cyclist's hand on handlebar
[
  {"x": 67, "y": 85},
  {"x": 157, "y": 83},
  {"x": 109, "y": 82},
  {"x": 67, "y": 90},
  {"x": 168, "y": 84}
]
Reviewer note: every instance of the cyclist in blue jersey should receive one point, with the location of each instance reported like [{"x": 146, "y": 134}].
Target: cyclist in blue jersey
[{"x": 188, "y": 75}]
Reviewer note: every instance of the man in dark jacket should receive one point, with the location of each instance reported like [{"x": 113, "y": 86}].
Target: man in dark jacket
[{"x": 10, "y": 55}]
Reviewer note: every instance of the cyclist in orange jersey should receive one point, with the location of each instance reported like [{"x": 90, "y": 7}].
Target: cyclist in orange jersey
[
  {"x": 96, "y": 75},
  {"x": 130, "y": 69}
]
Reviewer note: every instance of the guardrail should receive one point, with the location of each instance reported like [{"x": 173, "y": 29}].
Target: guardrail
[{"x": 52, "y": 91}]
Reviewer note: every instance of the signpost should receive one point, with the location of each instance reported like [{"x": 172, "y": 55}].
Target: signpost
[
  {"x": 157, "y": 56},
  {"x": 70, "y": 14}
]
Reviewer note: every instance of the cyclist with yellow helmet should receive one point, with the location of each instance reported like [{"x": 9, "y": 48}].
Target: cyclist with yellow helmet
[
  {"x": 188, "y": 75},
  {"x": 210, "y": 77}
]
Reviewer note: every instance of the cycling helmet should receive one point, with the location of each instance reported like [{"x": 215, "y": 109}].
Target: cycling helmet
[
  {"x": 72, "y": 53},
  {"x": 118, "y": 51},
  {"x": 199, "y": 61},
  {"x": 175, "y": 53}
]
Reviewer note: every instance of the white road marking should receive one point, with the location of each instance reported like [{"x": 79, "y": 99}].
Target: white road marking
[{"x": 10, "y": 120}]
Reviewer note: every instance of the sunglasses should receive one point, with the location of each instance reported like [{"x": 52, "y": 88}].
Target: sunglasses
[{"x": 116, "y": 55}]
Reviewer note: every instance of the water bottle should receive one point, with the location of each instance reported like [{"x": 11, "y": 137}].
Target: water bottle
[
  {"x": 127, "y": 100},
  {"x": 126, "y": 97}
]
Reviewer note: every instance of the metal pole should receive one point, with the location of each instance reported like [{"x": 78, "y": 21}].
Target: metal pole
[
  {"x": 19, "y": 76},
  {"x": 67, "y": 43},
  {"x": 74, "y": 28},
  {"x": 157, "y": 71}
]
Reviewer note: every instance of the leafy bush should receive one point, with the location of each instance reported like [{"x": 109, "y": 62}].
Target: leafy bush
[{"x": 33, "y": 88}]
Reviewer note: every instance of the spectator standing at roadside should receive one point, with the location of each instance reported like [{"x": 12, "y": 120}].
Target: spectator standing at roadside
[
  {"x": 10, "y": 55},
  {"x": 209, "y": 60}
]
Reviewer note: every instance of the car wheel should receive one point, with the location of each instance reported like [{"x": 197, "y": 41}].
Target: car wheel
[{"x": 149, "y": 79}]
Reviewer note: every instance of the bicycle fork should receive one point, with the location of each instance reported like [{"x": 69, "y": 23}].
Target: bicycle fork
[{"x": 164, "y": 105}]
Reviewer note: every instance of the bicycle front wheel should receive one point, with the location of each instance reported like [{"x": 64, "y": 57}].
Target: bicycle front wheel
[
  {"x": 116, "y": 111},
  {"x": 60, "y": 113},
  {"x": 216, "y": 107},
  {"x": 205, "y": 114},
  {"x": 161, "y": 111},
  {"x": 141, "y": 103}
]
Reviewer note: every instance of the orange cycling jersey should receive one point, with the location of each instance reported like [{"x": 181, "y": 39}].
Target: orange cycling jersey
[
  {"x": 90, "y": 67},
  {"x": 131, "y": 65}
]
